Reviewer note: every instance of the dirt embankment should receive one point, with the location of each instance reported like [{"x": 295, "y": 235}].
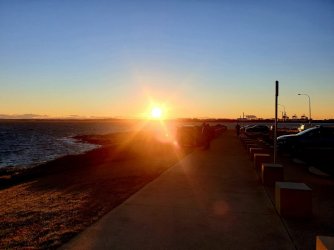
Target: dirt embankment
[{"x": 46, "y": 206}]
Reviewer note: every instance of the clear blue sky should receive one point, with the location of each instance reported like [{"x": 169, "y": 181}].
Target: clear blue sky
[{"x": 198, "y": 58}]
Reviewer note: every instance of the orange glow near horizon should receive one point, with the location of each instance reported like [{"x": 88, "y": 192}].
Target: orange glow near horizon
[{"x": 150, "y": 103}]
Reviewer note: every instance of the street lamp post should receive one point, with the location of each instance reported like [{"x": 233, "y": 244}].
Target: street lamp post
[
  {"x": 283, "y": 111},
  {"x": 309, "y": 106}
]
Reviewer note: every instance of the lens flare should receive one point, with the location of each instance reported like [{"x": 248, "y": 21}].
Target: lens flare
[{"x": 156, "y": 113}]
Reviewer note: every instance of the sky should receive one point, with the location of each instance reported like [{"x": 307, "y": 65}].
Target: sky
[{"x": 194, "y": 58}]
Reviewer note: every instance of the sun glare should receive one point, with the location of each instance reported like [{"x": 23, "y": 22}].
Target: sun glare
[{"x": 156, "y": 113}]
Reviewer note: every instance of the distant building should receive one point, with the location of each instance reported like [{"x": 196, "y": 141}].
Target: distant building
[
  {"x": 304, "y": 117},
  {"x": 248, "y": 118},
  {"x": 251, "y": 117}
]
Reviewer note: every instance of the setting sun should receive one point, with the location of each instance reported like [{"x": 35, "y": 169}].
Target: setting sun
[{"x": 156, "y": 113}]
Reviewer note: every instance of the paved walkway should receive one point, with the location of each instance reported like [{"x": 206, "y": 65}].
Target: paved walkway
[{"x": 210, "y": 200}]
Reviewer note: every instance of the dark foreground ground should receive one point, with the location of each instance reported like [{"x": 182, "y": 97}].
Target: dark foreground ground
[
  {"x": 213, "y": 199},
  {"x": 45, "y": 207},
  {"x": 52, "y": 204},
  {"x": 304, "y": 231}
]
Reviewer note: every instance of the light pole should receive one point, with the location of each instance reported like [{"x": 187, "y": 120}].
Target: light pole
[
  {"x": 309, "y": 106},
  {"x": 275, "y": 130},
  {"x": 283, "y": 111}
]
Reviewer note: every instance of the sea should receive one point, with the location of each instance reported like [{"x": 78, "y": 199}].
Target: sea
[
  {"x": 25, "y": 144},
  {"x": 28, "y": 143}
]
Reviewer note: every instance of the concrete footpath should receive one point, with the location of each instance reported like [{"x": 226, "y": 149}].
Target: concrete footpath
[{"x": 209, "y": 200}]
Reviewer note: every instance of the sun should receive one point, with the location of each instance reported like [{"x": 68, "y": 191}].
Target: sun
[{"x": 156, "y": 113}]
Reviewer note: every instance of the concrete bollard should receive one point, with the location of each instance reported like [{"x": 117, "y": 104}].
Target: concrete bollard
[
  {"x": 251, "y": 145},
  {"x": 245, "y": 143},
  {"x": 271, "y": 173},
  {"x": 324, "y": 242},
  {"x": 258, "y": 150},
  {"x": 293, "y": 199},
  {"x": 259, "y": 159},
  {"x": 242, "y": 137},
  {"x": 252, "y": 150}
]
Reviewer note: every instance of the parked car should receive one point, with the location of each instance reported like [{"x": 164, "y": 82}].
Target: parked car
[
  {"x": 314, "y": 142},
  {"x": 282, "y": 129},
  {"x": 257, "y": 131},
  {"x": 315, "y": 146},
  {"x": 303, "y": 127},
  {"x": 243, "y": 128}
]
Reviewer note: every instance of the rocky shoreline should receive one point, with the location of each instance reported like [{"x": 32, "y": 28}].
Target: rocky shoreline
[{"x": 47, "y": 205}]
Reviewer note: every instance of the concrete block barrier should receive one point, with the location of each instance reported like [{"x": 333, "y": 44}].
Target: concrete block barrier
[
  {"x": 259, "y": 159},
  {"x": 271, "y": 173},
  {"x": 251, "y": 145},
  {"x": 324, "y": 242},
  {"x": 293, "y": 199},
  {"x": 252, "y": 150},
  {"x": 258, "y": 150},
  {"x": 242, "y": 137},
  {"x": 245, "y": 143}
]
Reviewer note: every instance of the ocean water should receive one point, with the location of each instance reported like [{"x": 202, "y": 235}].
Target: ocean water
[{"x": 29, "y": 143}]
